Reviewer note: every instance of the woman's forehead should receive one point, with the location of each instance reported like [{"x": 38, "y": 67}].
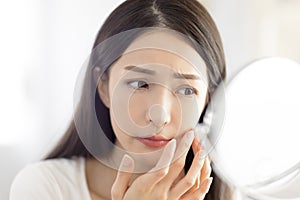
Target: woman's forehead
[
  {"x": 158, "y": 60},
  {"x": 165, "y": 44}
]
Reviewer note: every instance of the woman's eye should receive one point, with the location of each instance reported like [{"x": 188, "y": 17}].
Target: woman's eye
[
  {"x": 187, "y": 91},
  {"x": 138, "y": 84}
]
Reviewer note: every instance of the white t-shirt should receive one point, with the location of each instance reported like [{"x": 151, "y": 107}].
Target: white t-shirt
[{"x": 55, "y": 179}]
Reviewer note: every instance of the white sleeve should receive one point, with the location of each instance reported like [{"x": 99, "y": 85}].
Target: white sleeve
[{"x": 35, "y": 182}]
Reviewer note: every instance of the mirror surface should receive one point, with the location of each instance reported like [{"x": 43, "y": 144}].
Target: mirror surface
[{"x": 258, "y": 150}]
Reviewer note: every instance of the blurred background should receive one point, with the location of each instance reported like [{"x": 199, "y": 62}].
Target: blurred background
[{"x": 44, "y": 44}]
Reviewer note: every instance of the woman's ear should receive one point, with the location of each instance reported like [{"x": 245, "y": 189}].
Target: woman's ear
[{"x": 102, "y": 86}]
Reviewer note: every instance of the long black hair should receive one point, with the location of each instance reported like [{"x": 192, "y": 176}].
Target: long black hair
[{"x": 188, "y": 17}]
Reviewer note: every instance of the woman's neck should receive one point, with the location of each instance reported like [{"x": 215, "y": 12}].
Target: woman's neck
[{"x": 100, "y": 179}]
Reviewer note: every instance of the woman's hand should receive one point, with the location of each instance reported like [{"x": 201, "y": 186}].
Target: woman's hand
[{"x": 162, "y": 181}]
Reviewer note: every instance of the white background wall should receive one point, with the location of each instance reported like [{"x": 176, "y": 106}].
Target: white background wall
[{"x": 44, "y": 43}]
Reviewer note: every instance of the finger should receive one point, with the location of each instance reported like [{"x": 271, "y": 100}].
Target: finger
[
  {"x": 161, "y": 168},
  {"x": 178, "y": 165},
  {"x": 185, "y": 144},
  {"x": 191, "y": 177},
  {"x": 201, "y": 131},
  {"x": 196, "y": 185},
  {"x": 124, "y": 174},
  {"x": 199, "y": 193},
  {"x": 196, "y": 146},
  {"x": 196, "y": 143},
  {"x": 206, "y": 170}
]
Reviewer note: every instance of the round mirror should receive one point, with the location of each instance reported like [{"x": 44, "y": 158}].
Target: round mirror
[{"x": 258, "y": 150}]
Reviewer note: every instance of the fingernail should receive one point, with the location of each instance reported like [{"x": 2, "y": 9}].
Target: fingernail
[
  {"x": 210, "y": 179},
  {"x": 208, "y": 163},
  {"x": 201, "y": 162},
  {"x": 201, "y": 158},
  {"x": 171, "y": 145},
  {"x": 126, "y": 164},
  {"x": 208, "y": 184},
  {"x": 190, "y": 136},
  {"x": 170, "y": 148},
  {"x": 126, "y": 161}
]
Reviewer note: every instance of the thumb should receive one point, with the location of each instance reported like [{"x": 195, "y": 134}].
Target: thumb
[{"x": 123, "y": 177}]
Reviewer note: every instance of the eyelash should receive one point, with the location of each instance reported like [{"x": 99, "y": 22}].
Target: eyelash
[{"x": 137, "y": 87}]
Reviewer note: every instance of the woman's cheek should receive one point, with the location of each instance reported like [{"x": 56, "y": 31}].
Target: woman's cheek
[
  {"x": 137, "y": 109},
  {"x": 191, "y": 110}
]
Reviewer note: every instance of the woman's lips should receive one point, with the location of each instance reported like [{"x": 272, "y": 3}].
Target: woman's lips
[{"x": 154, "y": 141}]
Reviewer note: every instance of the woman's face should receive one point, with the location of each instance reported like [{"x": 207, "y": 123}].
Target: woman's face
[{"x": 153, "y": 96}]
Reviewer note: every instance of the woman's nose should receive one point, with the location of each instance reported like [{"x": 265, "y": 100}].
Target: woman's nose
[
  {"x": 159, "y": 112},
  {"x": 158, "y": 115}
]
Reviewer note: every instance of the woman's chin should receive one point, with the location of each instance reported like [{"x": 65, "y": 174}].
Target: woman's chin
[{"x": 144, "y": 162}]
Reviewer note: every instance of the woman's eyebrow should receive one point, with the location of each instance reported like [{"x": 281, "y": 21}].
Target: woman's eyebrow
[
  {"x": 140, "y": 70},
  {"x": 151, "y": 72},
  {"x": 187, "y": 76}
]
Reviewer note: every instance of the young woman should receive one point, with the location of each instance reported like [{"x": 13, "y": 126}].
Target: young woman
[{"x": 153, "y": 67}]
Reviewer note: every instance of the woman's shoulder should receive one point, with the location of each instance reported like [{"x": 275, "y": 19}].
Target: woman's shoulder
[
  {"x": 53, "y": 178},
  {"x": 58, "y": 166},
  {"x": 53, "y": 168}
]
